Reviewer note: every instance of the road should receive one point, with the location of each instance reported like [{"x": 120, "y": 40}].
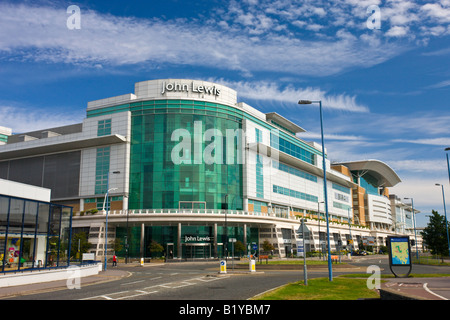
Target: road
[{"x": 202, "y": 281}]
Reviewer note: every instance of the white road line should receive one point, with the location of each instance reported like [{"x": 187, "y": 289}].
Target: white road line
[
  {"x": 141, "y": 293},
  {"x": 138, "y": 281},
  {"x": 104, "y": 296},
  {"x": 144, "y": 291},
  {"x": 425, "y": 286},
  {"x": 124, "y": 284}
]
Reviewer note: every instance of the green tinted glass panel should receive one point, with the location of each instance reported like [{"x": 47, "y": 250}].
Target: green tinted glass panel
[{"x": 172, "y": 162}]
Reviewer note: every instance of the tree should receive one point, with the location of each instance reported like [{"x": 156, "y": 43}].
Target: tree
[
  {"x": 81, "y": 239},
  {"x": 239, "y": 247},
  {"x": 267, "y": 246},
  {"x": 155, "y": 247},
  {"x": 435, "y": 235}
]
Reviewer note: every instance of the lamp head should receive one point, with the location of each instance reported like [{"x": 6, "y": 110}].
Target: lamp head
[{"x": 304, "y": 102}]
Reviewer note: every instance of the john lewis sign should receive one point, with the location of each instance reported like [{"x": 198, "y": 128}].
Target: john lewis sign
[{"x": 189, "y": 87}]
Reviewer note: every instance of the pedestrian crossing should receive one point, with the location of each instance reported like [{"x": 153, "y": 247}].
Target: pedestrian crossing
[{"x": 152, "y": 289}]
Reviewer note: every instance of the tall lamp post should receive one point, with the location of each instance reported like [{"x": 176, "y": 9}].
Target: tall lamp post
[
  {"x": 106, "y": 211},
  {"x": 445, "y": 214},
  {"x": 330, "y": 272},
  {"x": 226, "y": 228},
  {"x": 414, "y": 220},
  {"x": 318, "y": 218},
  {"x": 448, "y": 165}
]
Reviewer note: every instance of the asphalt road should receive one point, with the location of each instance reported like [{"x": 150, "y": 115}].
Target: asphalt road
[{"x": 202, "y": 281}]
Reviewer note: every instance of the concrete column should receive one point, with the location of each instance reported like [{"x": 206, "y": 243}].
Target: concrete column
[
  {"x": 245, "y": 236},
  {"x": 215, "y": 253},
  {"x": 180, "y": 254}
]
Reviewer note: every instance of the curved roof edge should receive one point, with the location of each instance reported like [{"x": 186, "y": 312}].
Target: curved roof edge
[{"x": 385, "y": 174}]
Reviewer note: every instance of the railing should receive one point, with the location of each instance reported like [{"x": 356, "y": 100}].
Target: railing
[{"x": 198, "y": 211}]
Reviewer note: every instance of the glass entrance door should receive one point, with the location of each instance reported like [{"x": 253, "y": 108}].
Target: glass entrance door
[{"x": 197, "y": 251}]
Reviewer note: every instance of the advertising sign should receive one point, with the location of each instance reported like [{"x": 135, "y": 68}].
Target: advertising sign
[{"x": 368, "y": 241}]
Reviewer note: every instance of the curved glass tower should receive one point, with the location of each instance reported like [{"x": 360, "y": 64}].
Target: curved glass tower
[{"x": 182, "y": 156}]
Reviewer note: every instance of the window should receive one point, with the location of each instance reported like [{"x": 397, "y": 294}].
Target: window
[
  {"x": 294, "y": 194},
  {"x": 104, "y": 127},
  {"x": 291, "y": 149},
  {"x": 102, "y": 170}
]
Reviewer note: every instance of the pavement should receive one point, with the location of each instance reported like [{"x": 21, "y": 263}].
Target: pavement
[
  {"x": 391, "y": 289},
  {"x": 110, "y": 274},
  {"x": 415, "y": 289}
]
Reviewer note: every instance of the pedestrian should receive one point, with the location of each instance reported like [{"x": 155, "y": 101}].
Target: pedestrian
[{"x": 114, "y": 261}]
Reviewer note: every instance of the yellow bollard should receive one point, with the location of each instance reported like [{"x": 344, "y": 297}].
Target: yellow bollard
[
  {"x": 223, "y": 266},
  {"x": 252, "y": 265}
]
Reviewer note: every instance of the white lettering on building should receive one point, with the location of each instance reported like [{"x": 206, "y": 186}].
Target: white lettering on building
[{"x": 184, "y": 87}]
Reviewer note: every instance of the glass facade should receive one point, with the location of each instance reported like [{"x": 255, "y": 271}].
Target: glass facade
[
  {"x": 370, "y": 184},
  {"x": 33, "y": 234},
  {"x": 175, "y": 163},
  {"x": 294, "y": 194},
  {"x": 102, "y": 170},
  {"x": 196, "y": 241},
  {"x": 292, "y": 149}
]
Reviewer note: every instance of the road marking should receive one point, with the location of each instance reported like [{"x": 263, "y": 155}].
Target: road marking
[
  {"x": 151, "y": 289},
  {"x": 139, "y": 281},
  {"x": 124, "y": 284},
  {"x": 425, "y": 286},
  {"x": 141, "y": 293}
]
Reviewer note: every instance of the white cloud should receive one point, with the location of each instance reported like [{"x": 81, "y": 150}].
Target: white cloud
[
  {"x": 397, "y": 31},
  {"x": 264, "y": 90},
  {"x": 21, "y": 119},
  {"x": 442, "y": 84},
  {"x": 265, "y": 44},
  {"x": 443, "y": 141},
  {"x": 436, "y": 11}
]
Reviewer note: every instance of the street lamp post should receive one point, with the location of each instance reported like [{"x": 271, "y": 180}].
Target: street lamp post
[
  {"x": 445, "y": 215},
  {"x": 414, "y": 220},
  {"x": 330, "y": 272},
  {"x": 350, "y": 232},
  {"x": 318, "y": 218},
  {"x": 226, "y": 228},
  {"x": 448, "y": 165},
  {"x": 106, "y": 200}
]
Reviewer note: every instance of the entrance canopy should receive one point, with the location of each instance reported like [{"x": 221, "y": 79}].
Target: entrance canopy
[{"x": 384, "y": 174}]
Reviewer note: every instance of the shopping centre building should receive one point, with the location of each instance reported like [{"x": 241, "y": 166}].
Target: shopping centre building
[{"x": 187, "y": 166}]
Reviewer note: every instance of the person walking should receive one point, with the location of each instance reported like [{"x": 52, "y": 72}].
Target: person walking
[{"x": 114, "y": 261}]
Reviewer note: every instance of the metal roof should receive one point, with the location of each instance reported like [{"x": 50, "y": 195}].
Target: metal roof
[{"x": 385, "y": 175}]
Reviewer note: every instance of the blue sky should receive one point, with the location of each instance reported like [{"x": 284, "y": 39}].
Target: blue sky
[{"x": 385, "y": 91}]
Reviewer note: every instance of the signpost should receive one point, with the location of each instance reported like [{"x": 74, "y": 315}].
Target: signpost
[
  {"x": 302, "y": 231},
  {"x": 399, "y": 254},
  {"x": 232, "y": 240}
]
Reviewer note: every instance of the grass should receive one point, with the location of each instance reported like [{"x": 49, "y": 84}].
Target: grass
[
  {"x": 412, "y": 275},
  {"x": 323, "y": 289},
  {"x": 430, "y": 261},
  {"x": 299, "y": 262}
]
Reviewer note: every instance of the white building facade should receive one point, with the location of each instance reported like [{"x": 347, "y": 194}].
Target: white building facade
[{"x": 188, "y": 166}]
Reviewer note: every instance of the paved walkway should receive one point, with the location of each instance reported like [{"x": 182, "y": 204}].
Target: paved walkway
[
  {"x": 413, "y": 289},
  {"x": 110, "y": 274}
]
